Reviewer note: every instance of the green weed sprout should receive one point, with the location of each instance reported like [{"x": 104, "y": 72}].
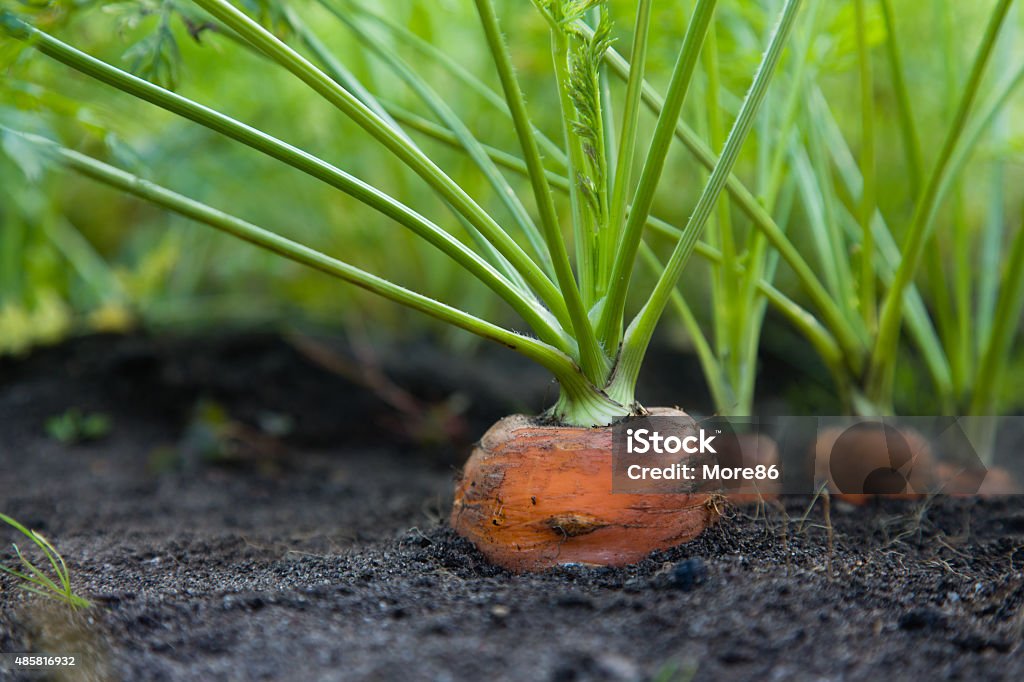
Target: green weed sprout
[
  {"x": 74, "y": 426},
  {"x": 35, "y": 580}
]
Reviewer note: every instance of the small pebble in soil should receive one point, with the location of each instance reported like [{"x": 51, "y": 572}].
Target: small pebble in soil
[{"x": 688, "y": 574}]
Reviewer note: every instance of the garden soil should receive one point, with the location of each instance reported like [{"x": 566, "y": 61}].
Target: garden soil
[{"x": 258, "y": 511}]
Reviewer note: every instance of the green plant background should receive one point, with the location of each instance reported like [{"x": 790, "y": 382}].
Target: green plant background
[{"x": 75, "y": 256}]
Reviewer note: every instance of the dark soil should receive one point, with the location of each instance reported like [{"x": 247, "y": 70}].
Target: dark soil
[{"x": 219, "y": 541}]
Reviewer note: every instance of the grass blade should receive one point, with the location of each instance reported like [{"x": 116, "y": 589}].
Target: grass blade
[
  {"x": 44, "y": 582},
  {"x": 45, "y": 586},
  {"x": 40, "y": 578}
]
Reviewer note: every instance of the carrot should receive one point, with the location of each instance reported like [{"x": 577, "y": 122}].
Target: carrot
[
  {"x": 869, "y": 459},
  {"x": 533, "y": 496},
  {"x": 994, "y": 482}
]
